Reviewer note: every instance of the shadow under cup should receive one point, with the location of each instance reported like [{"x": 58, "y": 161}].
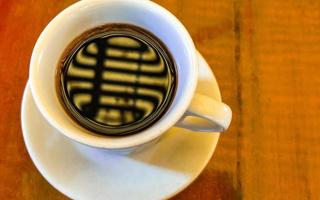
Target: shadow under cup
[{"x": 85, "y": 15}]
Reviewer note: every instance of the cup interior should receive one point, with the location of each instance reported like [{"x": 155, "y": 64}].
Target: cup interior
[{"x": 85, "y": 15}]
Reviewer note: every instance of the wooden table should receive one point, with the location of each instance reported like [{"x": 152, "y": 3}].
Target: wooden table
[{"x": 266, "y": 57}]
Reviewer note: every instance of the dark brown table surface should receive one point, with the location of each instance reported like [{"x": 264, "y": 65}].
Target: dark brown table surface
[{"x": 266, "y": 58}]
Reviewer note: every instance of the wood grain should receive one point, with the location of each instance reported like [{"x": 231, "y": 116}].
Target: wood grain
[{"x": 266, "y": 57}]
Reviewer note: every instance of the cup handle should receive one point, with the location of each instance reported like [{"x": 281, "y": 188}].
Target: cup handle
[{"x": 206, "y": 114}]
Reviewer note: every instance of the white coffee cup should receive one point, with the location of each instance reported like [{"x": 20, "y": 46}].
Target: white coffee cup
[{"x": 188, "y": 110}]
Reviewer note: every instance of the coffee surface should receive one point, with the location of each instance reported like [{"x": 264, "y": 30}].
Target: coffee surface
[{"x": 116, "y": 79}]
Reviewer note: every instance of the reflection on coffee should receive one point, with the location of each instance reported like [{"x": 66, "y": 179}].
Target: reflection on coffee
[{"x": 116, "y": 79}]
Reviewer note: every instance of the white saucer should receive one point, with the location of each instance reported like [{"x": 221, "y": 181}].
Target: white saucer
[{"x": 82, "y": 172}]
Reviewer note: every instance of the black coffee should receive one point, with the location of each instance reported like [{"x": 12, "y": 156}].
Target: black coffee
[{"x": 116, "y": 79}]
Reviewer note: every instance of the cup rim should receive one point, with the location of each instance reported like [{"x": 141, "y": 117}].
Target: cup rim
[{"x": 158, "y": 128}]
